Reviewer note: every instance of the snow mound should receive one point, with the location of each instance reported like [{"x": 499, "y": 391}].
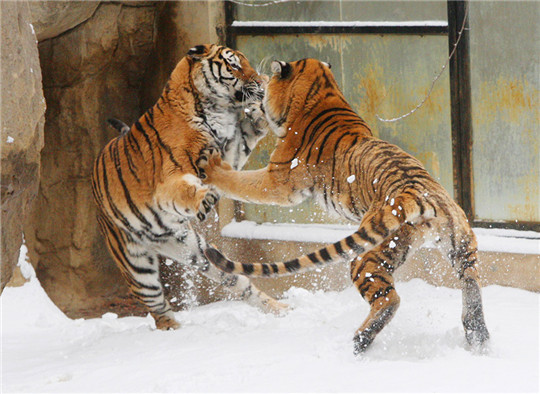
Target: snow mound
[{"x": 232, "y": 347}]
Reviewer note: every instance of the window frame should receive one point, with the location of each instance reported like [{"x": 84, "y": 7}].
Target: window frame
[{"x": 460, "y": 86}]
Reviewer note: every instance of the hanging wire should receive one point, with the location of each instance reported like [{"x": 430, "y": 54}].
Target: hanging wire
[
  {"x": 445, "y": 65},
  {"x": 259, "y": 4},
  {"x": 436, "y": 78}
]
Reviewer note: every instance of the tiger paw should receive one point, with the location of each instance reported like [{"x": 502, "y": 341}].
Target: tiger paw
[
  {"x": 477, "y": 340},
  {"x": 208, "y": 162},
  {"x": 276, "y": 307},
  {"x": 205, "y": 156},
  {"x": 166, "y": 322},
  {"x": 361, "y": 341},
  {"x": 210, "y": 199},
  {"x": 255, "y": 113}
]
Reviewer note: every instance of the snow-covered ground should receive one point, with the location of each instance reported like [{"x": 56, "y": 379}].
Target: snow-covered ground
[{"x": 232, "y": 347}]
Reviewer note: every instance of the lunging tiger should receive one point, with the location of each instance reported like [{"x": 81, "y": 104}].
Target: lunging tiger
[
  {"x": 146, "y": 183},
  {"x": 326, "y": 150}
]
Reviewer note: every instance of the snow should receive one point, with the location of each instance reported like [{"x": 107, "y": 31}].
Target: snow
[
  {"x": 230, "y": 346},
  {"x": 9, "y": 139},
  {"x": 286, "y": 231},
  {"x": 294, "y": 163},
  {"x": 351, "y": 178},
  {"x": 492, "y": 240}
]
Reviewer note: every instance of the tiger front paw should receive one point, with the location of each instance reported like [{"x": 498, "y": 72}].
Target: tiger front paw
[
  {"x": 209, "y": 163},
  {"x": 211, "y": 197},
  {"x": 255, "y": 113}
]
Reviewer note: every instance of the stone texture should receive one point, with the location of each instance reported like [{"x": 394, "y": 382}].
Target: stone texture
[
  {"x": 99, "y": 60},
  {"x": 90, "y": 73},
  {"x": 21, "y": 135},
  {"x": 52, "y": 18}
]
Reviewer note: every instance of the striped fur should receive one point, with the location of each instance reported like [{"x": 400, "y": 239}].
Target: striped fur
[
  {"x": 327, "y": 151},
  {"x": 146, "y": 181}
]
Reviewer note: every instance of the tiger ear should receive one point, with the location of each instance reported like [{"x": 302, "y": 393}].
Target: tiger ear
[
  {"x": 198, "y": 51},
  {"x": 280, "y": 68},
  {"x": 327, "y": 64}
]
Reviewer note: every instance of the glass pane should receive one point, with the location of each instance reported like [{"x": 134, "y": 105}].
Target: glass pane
[
  {"x": 505, "y": 43},
  {"x": 386, "y": 75},
  {"x": 393, "y": 11},
  {"x": 339, "y": 10},
  {"x": 290, "y": 11}
]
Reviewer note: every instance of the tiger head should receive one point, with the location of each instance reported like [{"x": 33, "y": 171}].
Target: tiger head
[
  {"x": 221, "y": 73},
  {"x": 292, "y": 88}
]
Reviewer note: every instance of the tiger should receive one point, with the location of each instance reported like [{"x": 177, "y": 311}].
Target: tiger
[
  {"x": 327, "y": 151},
  {"x": 146, "y": 182}
]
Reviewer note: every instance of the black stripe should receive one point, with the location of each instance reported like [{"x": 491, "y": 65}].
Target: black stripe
[
  {"x": 229, "y": 266},
  {"x": 378, "y": 226},
  {"x": 131, "y": 165},
  {"x": 351, "y": 243},
  {"x": 139, "y": 127},
  {"x": 166, "y": 147},
  {"x": 265, "y": 269},
  {"x": 117, "y": 212},
  {"x": 247, "y": 268},
  {"x": 293, "y": 265},
  {"x": 131, "y": 204},
  {"x": 313, "y": 144},
  {"x": 325, "y": 255},
  {"x": 364, "y": 235},
  {"x": 132, "y": 140},
  {"x": 364, "y": 286},
  {"x": 313, "y": 258},
  {"x": 339, "y": 249},
  {"x": 158, "y": 107},
  {"x": 168, "y": 230},
  {"x": 335, "y": 159},
  {"x": 315, "y": 119}
]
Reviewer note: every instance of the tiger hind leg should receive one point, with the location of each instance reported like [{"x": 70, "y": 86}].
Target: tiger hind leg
[
  {"x": 464, "y": 258},
  {"x": 376, "y": 286},
  {"x": 140, "y": 268},
  {"x": 372, "y": 275},
  {"x": 145, "y": 284}
]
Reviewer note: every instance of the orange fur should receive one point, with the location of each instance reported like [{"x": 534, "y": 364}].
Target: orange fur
[
  {"x": 322, "y": 142},
  {"x": 146, "y": 183}
]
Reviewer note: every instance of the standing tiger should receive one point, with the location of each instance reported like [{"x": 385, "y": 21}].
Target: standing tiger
[
  {"x": 146, "y": 183},
  {"x": 326, "y": 150}
]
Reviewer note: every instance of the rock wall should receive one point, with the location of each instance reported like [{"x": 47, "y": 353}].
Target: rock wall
[
  {"x": 90, "y": 73},
  {"x": 21, "y": 131},
  {"x": 99, "y": 60}
]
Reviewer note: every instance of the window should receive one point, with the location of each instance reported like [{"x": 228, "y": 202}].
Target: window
[{"x": 385, "y": 56}]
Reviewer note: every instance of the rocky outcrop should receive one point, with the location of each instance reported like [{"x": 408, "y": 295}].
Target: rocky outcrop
[
  {"x": 90, "y": 73},
  {"x": 21, "y": 132},
  {"x": 98, "y": 60},
  {"x": 52, "y": 18}
]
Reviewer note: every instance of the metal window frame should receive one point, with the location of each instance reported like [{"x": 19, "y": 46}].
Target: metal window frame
[{"x": 460, "y": 87}]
